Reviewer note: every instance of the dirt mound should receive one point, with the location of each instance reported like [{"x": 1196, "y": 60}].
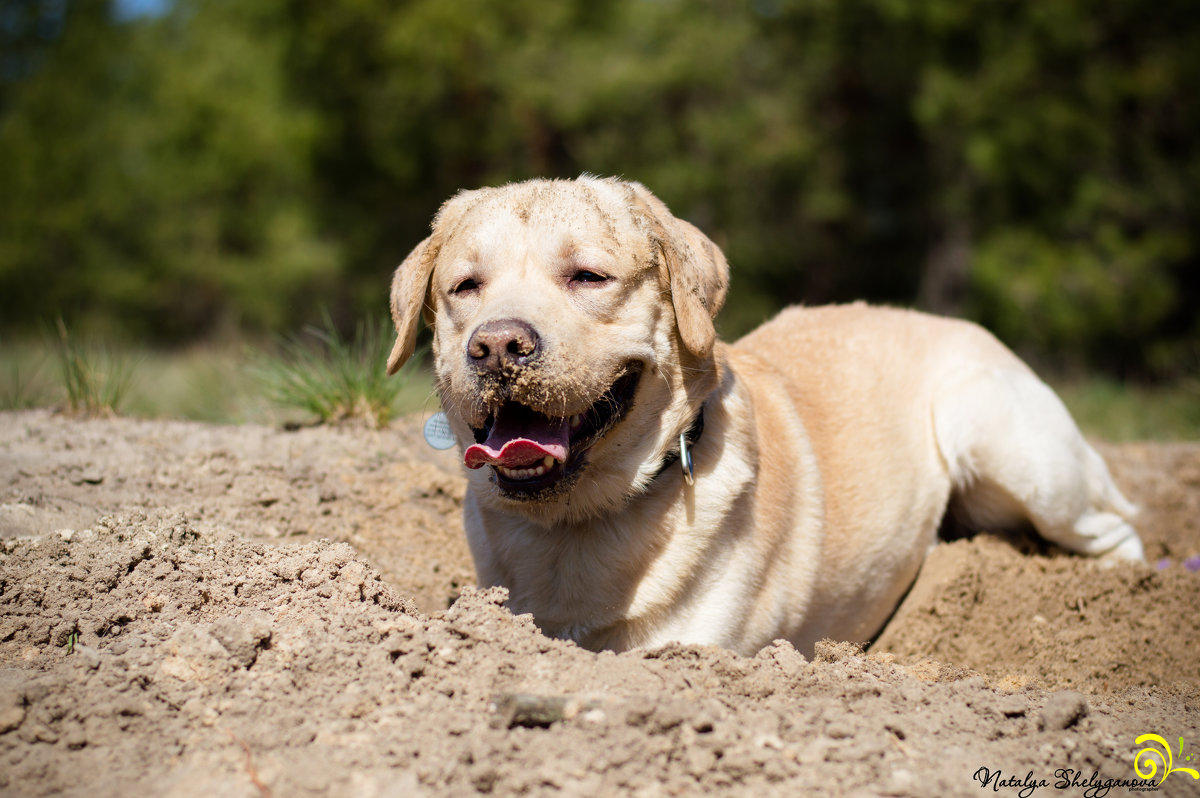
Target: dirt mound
[
  {"x": 1052, "y": 621},
  {"x": 171, "y": 624}
]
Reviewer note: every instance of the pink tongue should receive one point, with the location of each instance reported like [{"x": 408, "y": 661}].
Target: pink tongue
[{"x": 520, "y": 438}]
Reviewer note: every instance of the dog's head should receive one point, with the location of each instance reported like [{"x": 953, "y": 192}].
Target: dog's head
[{"x": 573, "y": 336}]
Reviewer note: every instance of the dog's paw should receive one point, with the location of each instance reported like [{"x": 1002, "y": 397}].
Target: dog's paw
[{"x": 1128, "y": 550}]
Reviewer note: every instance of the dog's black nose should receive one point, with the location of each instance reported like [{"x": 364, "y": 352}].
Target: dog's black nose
[{"x": 502, "y": 341}]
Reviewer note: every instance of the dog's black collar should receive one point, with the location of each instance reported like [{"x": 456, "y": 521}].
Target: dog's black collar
[{"x": 691, "y": 436}]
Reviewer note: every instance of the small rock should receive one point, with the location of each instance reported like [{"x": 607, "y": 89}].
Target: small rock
[
  {"x": 87, "y": 656},
  {"x": 900, "y": 782},
  {"x": 37, "y": 733},
  {"x": 243, "y": 637},
  {"x": 75, "y": 737},
  {"x": 537, "y": 711},
  {"x": 88, "y": 476},
  {"x": 784, "y": 655},
  {"x": 835, "y": 651},
  {"x": 1062, "y": 711},
  {"x": 12, "y": 711},
  {"x": 840, "y": 730},
  {"x": 771, "y": 741},
  {"x": 594, "y": 716},
  {"x": 1013, "y": 706}
]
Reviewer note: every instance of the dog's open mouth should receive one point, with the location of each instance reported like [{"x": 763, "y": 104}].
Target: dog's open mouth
[{"x": 530, "y": 451}]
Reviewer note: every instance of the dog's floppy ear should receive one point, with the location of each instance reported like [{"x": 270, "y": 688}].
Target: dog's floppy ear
[
  {"x": 410, "y": 283},
  {"x": 409, "y": 286},
  {"x": 697, "y": 270}
]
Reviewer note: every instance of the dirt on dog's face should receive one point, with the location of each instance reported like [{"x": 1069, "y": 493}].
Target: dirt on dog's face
[
  {"x": 557, "y": 350},
  {"x": 545, "y": 326}
]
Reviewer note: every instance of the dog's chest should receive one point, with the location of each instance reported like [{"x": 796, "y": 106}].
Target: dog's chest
[{"x": 582, "y": 582}]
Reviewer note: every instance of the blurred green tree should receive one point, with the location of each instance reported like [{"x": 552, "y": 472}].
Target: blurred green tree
[
  {"x": 157, "y": 176},
  {"x": 1029, "y": 165},
  {"x": 1069, "y": 125}
]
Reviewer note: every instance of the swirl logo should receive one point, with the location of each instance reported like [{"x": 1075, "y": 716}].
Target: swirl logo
[{"x": 1155, "y": 757}]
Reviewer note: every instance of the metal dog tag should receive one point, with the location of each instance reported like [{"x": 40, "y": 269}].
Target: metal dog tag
[
  {"x": 437, "y": 432},
  {"x": 685, "y": 460}
]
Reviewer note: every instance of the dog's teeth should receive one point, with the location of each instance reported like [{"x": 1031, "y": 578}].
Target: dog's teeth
[
  {"x": 524, "y": 473},
  {"x": 539, "y": 470}
]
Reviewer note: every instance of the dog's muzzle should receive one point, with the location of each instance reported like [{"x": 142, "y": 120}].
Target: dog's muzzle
[{"x": 530, "y": 452}]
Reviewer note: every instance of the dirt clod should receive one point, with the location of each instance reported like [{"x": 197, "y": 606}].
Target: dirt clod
[{"x": 1062, "y": 711}]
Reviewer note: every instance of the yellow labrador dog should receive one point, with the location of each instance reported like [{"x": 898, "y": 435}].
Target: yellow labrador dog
[{"x": 578, "y": 366}]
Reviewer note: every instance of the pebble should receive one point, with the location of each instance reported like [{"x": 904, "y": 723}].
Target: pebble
[{"x": 1062, "y": 711}]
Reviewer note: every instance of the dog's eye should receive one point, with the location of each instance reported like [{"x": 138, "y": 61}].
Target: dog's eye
[
  {"x": 466, "y": 285},
  {"x": 585, "y": 276}
]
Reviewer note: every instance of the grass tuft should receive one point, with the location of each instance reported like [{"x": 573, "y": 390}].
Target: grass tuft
[
  {"x": 96, "y": 381},
  {"x": 334, "y": 379}
]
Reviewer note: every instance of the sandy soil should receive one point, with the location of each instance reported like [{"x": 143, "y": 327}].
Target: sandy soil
[{"x": 197, "y": 610}]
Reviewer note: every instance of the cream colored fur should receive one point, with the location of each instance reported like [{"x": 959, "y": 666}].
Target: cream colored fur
[{"x": 834, "y": 438}]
